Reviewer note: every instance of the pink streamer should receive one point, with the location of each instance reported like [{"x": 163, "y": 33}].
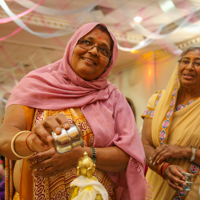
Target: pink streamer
[
  {"x": 10, "y": 59},
  {"x": 21, "y": 0},
  {"x": 10, "y": 35},
  {"x": 17, "y": 30},
  {"x": 9, "y": 19}
]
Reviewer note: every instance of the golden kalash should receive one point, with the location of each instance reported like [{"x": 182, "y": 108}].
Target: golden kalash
[{"x": 86, "y": 186}]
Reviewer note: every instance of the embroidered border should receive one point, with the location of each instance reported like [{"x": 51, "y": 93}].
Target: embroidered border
[
  {"x": 149, "y": 112},
  {"x": 168, "y": 118}
]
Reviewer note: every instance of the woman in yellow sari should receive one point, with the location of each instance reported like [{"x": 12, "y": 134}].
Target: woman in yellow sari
[
  {"x": 74, "y": 88},
  {"x": 171, "y": 132}
]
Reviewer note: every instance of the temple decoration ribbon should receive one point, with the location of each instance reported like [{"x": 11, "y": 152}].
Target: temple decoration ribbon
[
  {"x": 17, "y": 30},
  {"x": 167, "y": 44},
  {"x": 142, "y": 44},
  {"x": 2, "y": 99},
  {"x": 169, "y": 8},
  {"x": 50, "y": 11},
  {"x": 153, "y": 35},
  {"x": 61, "y": 32},
  {"x": 9, "y": 19}
]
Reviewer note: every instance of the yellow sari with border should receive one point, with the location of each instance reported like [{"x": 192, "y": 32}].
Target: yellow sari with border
[{"x": 176, "y": 128}]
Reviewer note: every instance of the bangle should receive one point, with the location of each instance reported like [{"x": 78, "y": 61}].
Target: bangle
[
  {"x": 159, "y": 168},
  {"x": 94, "y": 157},
  {"x": 193, "y": 154},
  {"x": 13, "y": 145},
  {"x": 27, "y": 141},
  {"x": 163, "y": 169}
]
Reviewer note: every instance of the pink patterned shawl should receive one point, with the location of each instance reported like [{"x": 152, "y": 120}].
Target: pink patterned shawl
[{"x": 57, "y": 86}]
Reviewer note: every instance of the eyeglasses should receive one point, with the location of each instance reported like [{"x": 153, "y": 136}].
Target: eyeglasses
[
  {"x": 185, "y": 63},
  {"x": 88, "y": 45}
]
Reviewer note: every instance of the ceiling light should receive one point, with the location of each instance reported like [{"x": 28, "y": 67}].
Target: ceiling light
[
  {"x": 141, "y": 43},
  {"x": 138, "y": 19}
]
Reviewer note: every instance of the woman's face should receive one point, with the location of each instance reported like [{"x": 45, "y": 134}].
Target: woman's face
[
  {"x": 90, "y": 64},
  {"x": 189, "y": 70}
]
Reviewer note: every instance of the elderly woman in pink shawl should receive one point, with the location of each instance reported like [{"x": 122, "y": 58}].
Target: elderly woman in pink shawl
[{"x": 74, "y": 88}]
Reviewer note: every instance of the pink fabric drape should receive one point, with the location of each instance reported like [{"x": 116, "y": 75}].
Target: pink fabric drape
[{"x": 57, "y": 86}]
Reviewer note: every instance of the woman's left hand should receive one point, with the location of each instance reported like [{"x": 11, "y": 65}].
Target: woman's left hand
[
  {"x": 50, "y": 163},
  {"x": 173, "y": 176},
  {"x": 166, "y": 151}
]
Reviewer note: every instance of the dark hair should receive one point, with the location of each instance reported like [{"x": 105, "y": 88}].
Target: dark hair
[
  {"x": 187, "y": 50},
  {"x": 104, "y": 29}
]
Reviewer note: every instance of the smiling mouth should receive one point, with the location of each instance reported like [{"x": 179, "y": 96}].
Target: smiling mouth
[
  {"x": 188, "y": 76},
  {"x": 90, "y": 61}
]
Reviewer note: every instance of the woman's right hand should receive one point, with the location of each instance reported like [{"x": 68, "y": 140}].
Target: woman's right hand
[
  {"x": 41, "y": 139},
  {"x": 175, "y": 179}
]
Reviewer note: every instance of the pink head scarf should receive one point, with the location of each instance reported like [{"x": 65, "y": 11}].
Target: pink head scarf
[
  {"x": 57, "y": 86},
  {"x": 50, "y": 86}
]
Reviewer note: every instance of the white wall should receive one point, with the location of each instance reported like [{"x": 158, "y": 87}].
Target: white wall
[{"x": 143, "y": 79}]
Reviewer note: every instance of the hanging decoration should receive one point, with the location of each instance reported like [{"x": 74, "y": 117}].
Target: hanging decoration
[
  {"x": 61, "y": 32},
  {"x": 10, "y": 59},
  {"x": 9, "y": 19},
  {"x": 23, "y": 26},
  {"x": 169, "y": 46},
  {"x": 142, "y": 44},
  {"x": 169, "y": 8},
  {"x": 49, "y": 31},
  {"x": 17, "y": 30},
  {"x": 4, "y": 100},
  {"x": 49, "y": 11},
  {"x": 151, "y": 36},
  {"x": 123, "y": 14}
]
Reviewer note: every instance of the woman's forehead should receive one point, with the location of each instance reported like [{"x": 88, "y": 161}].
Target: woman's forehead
[
  {"x": 192, "y": 54},
  {"x": 98, "y": 35}
]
